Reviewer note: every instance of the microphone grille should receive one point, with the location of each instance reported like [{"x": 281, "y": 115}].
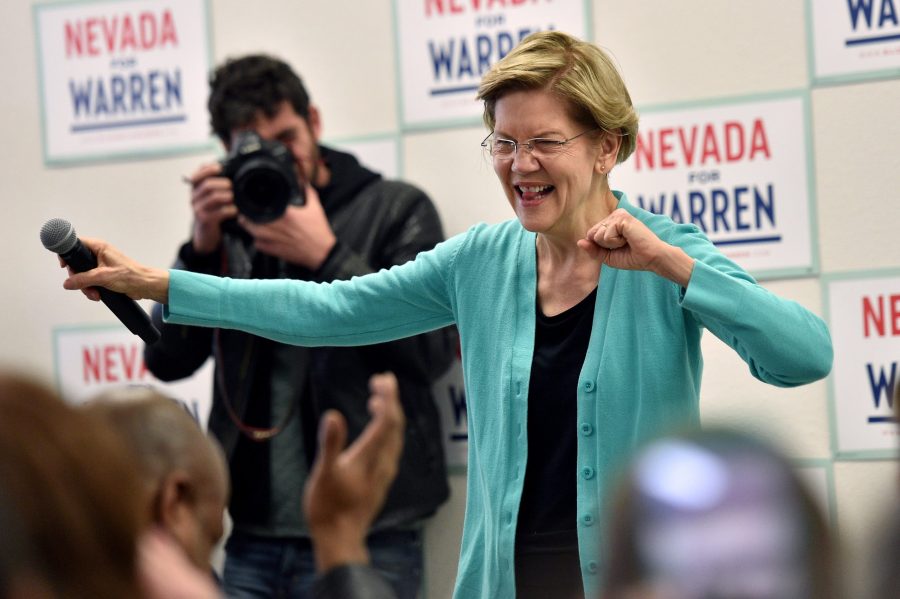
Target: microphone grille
[{"x": 58, "y": 235}]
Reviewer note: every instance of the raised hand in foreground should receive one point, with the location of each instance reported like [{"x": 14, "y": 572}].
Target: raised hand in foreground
[{"x": 347, "y": 486}]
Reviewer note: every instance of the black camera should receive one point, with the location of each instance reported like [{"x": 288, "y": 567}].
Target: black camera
[{"x": 263, "y": 177}]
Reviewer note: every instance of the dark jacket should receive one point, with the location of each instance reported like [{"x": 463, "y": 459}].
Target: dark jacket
[{"x": 378, "y": 224}]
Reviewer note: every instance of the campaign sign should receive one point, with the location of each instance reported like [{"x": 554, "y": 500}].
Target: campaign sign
[
  {"x": 122, "y": 78},
  {"x": 855, "y": 39},
  {"x": 445, "y": 46},
  {"x": 90, "y": 360},
  {"x": 739, "y": 171},
  {"x": 450, "y": 395},
  {"x": 864, "y": 317}
]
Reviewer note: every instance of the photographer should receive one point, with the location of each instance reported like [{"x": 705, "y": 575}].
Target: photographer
[{"x": 336, "y": 221}]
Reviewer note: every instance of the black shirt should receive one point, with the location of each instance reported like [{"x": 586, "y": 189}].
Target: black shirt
[{"x": 546, "y": 528}]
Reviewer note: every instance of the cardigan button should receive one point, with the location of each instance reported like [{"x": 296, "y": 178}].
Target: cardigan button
[
  {"x": 588, "y": 520},
  {"x": 586, "y": 429},
  {"x": 587, "y": 472},
  {"x": 592, "y": 567},
  {"x": 589, "y": 386}
]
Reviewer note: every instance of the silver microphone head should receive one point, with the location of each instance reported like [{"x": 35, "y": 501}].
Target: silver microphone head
[{"x": 58, "y": 235}]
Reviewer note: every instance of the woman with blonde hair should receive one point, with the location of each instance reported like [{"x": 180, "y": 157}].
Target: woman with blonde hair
[{"x": 580, "y": 319}]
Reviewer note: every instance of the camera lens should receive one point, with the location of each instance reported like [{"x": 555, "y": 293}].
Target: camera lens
[
  {"x": 263, "y": 176},
  {"x": 261, "y": 191}
]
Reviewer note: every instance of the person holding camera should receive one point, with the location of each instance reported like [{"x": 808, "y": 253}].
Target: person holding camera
[{"x": 282, "y": 206}]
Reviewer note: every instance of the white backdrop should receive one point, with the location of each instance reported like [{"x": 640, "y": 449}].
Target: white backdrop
[{"x": 670, "y": 52}]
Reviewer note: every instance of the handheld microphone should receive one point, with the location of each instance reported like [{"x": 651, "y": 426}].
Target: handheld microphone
[{"x": 58, "y": 235}]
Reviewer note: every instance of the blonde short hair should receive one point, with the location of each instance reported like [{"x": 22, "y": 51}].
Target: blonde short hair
[{"x": 579, "y": 72}]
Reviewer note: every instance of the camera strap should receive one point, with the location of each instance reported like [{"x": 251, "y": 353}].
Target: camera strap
[{"x": 254, "y": 433}]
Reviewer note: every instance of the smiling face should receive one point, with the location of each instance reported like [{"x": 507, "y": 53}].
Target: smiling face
[{"x": 558, "y": 195}]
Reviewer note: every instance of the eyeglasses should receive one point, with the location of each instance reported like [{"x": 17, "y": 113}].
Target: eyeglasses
[{"x": 539, "y": 147}]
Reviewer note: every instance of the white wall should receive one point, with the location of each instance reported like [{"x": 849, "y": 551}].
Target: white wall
[{"x": 668, "y": 51}]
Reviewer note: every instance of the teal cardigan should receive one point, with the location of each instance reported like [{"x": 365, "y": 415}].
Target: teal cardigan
[{"x": 641, "y": 374}]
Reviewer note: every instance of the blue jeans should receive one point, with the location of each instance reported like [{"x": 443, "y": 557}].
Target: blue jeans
[{"x": 261, "y": 567}]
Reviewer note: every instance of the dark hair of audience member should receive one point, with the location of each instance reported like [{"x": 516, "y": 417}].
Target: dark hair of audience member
[
  {"x": 73, "y": 491},
  {"x": 18, "y": 578},
  {"x": 713, "y": 474}
]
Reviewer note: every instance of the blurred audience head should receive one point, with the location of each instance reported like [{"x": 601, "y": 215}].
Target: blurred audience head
[
  {"x": 717, "y": 515},
  {"x": 184, "y": 474},
  {"x": 886, "y": 563},
  {"x": 885, "y": 569},
  {"x": 70, "y": 490}
]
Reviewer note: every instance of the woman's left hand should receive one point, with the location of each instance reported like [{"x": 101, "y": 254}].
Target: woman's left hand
[{"x": 622, "y": 241}]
